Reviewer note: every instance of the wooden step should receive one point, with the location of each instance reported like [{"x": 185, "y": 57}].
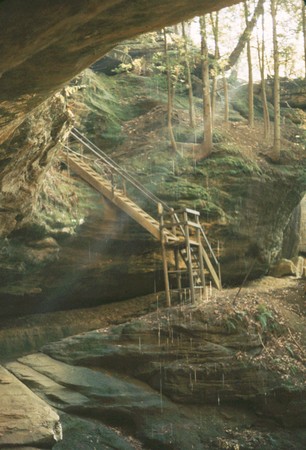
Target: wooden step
[{"x": 116, "y": 197}]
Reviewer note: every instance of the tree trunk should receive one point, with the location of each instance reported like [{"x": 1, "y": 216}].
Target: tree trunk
[
  {"x": 207, "y": 117},
  {"x": 304, "y": 31},
  {"x": 234, "y": 56},
  {"x": 261, "y": 62},
  {"x": 277, "y": 134},
  {"x": 189, "y": 81},
  {"x": 250, "y": 73},
  {"x": 215, "y": 29},
  {"x": 226, "y": 101},
  {"x": 170, "y": 94}
]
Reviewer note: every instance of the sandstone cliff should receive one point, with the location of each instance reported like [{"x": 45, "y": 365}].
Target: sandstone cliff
[{"x": 69, "y": 247}]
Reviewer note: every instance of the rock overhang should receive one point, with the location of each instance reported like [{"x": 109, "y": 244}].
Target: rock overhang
[{"x": 43, "y": 44}]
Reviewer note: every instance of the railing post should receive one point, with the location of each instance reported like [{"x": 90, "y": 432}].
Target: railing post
[
  {"x": 188, "y": 255},
  {"x": 176, "y": 256},
  {"x": 164, "y": 254},
  {"x": 113, "y": 183},
  {"x": 200, "y": 253}
]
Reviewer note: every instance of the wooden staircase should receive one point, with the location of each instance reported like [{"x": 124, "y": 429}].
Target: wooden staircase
[
  {"x": 116, "y": 196},
  {"x": 179, "y": 232},
  {"x": 189, "y": 249}
]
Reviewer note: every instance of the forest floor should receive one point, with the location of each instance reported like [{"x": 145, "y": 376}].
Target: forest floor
[{"x": 250, "y": 142}]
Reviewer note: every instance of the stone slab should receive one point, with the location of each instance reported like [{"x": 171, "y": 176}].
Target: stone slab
[{"x": 25, "y": 419}]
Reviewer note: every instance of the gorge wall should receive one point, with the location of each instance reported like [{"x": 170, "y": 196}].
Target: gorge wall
[
  {"x": 70, "y": 247},
  {"x": 63, "y": 246},
  {"x": 54, "y": 253}
]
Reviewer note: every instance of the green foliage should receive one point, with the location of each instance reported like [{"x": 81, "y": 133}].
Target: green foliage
[
  {"x": 174, "y": 189},
  {"x": 301, "y": 175},
  {"x": 217, "y": 136},
  {"x": 265, "y": 318},
  {"x": 239, "y": 103},
  {"x": 183, "y": 133},
  {"x": 235, "y": 321},
  {"x": 103, "y": 112},
  {"x": 123, "y": 68},
  {"x": 62, "y": 204},
  {"x": 294, "y": 369},
  {"x": 229, "y": 164}
]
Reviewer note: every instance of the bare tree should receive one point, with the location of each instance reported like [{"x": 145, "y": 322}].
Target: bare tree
[
  {"x": 188, "y": 76},
  {"x": 218, "y": 66},
  {"x": 234, "y": 56},
  {"x": 250, "y": 72},
  {"x": 214, "y": 19},
  {"x": 170, "y": 93},
  {"x": 261, "y": 62},
  {"x": 304, "y": 31},
  {"x": 226, "y": 99},
  {"x": 276, "y": 85},
  {"x": 207, "y": 116}
]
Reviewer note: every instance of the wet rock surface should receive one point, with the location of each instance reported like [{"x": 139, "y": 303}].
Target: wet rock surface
[
  {"x": 203, "y": 376},
  {"x": 193, "y": 360},
  {"x": 26, "y": 420}
]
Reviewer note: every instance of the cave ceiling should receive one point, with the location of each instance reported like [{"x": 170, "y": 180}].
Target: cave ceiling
[{"x": 45, "y": 43}]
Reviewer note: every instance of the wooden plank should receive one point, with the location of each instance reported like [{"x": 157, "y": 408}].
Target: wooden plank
[
  {"x": 211, "y": 269},
  {"x": 188, "y": 211},
  {"x": 165, "y": 263},
  {"x": 192, "y": 211},
  {"x": 200, "y": 257},
  {"x": 189, "y": 261},
  {"x": 193, "y": 224}
]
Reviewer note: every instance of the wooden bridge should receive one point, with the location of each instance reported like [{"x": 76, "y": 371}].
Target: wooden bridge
[{"x": 179, "y": 232}]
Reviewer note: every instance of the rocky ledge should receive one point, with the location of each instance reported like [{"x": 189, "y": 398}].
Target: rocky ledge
[{"x": 218, "y": 374}]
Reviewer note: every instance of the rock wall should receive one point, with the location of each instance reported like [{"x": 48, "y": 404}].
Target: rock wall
[
  {"x": 88, "y": 253},
  {"x": 25, "y": 159},
  {"x": 35, "y": 423},
  {"x": 259, "y": 214},
  {"x": 63, "y": 246}
]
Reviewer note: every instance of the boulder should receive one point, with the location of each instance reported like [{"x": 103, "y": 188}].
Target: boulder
[
  {"x": 285, "y": 267},
  {"x": 116, "y": 399},
  {"x": 26, "y": 420},
  {"x": 299, "y": 265}
]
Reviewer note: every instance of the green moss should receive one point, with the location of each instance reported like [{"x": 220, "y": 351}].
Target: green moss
[
  {"x": 230, "y": 164},
  {"x": 186, "y": 134},
  {"x": 104, "y": 111},
  {"x": 175, "y": 189},
  {"x": 239, "y": 103}
]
